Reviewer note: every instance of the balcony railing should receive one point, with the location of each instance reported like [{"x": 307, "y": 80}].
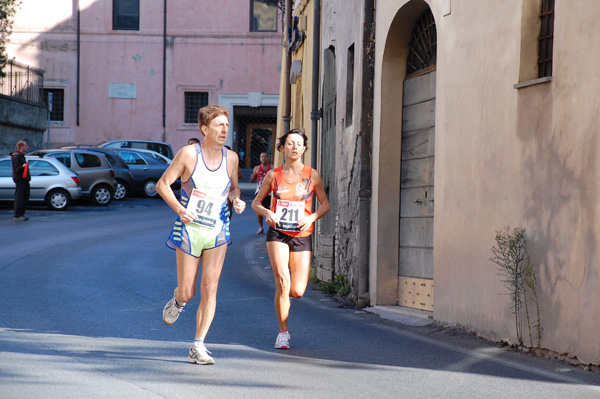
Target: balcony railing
[{"x": 22, "y": 82}]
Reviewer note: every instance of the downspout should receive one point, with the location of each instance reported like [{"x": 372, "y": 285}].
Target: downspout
[
  {"x": 315, "y": 114},
  {"x": 77, "y": 89},
  {"x": 164, "y": 93},
  {"x": 287, "y": 86},
  {"x": 366, "y": 142}
]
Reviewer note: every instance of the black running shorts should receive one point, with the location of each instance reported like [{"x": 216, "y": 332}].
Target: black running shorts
[{"x": 296, "y": 244}]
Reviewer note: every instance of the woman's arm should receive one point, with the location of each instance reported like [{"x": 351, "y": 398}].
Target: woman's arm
[
  {"x": 257, "y": 206},
  {"x": 323, "y": 201}
]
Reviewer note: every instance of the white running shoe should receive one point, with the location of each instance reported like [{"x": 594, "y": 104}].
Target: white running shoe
[
  {"x": 200, "y": 355},
  {"x": 171, "y": 312},
  {"x": 283, "y": 340}
]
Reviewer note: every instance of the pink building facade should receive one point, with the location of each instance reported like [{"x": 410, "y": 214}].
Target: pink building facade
[{"x": 132, "y": 69}]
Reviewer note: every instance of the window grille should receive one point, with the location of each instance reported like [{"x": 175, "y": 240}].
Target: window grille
[
  {"x": 423, "y": 44},
  {"x": 194, "y": 100},
  {"x": 546, "y": 38},
  {"x": 58, "y": 104}
]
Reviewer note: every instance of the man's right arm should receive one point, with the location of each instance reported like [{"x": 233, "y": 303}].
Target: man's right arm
[
  {"x": 254, "y": 175},
  {"x": 175, "y": 170}
]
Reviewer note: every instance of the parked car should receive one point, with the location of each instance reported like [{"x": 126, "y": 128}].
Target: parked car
[
  {"x": 158, "y": 146},
  {"x": 123, "y": 175},
  {"x": 51, "y": 182},
  {"x": 156, "y": 155},
  {"x": 97, "y": 177},
  {"x": 146, "y": 171}
]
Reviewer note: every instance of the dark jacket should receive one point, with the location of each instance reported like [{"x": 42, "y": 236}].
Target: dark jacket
[{"x": 18, "y": 168}]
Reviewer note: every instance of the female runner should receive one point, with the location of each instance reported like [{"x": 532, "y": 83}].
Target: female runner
[{"x": 291, "y": 224}]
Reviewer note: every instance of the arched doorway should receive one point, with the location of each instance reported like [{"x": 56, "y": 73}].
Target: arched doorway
[
  {"x": 402, "y": 237},
  {"x": 415, "y": 253}
]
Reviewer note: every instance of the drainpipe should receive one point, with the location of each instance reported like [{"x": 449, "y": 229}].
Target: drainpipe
[
  {"x": 366, "y": 142},
  {"x": 164, "y": 93},
  {"x": 287, "y": 89},
  {"x": 78, "y": 62},
  {"x": 315, "y": 114}
]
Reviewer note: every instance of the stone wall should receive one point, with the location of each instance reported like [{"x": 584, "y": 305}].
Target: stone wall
[{"x": 21, "y": 120}]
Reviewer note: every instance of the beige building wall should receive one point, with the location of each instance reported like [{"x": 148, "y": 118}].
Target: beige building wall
[
  {"x": 301, "y": 89},
  {"x": 505, "y": 156}
]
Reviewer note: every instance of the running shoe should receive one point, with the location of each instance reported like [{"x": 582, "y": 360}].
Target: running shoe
[
  {"x": 200, "y": 355},
  {"x": 171, "y": 312},
  {"x": 283, "y": 340}
]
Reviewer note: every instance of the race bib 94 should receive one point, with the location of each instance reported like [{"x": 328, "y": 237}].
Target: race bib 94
[
  {"x": 289, "y": 213},
  {"x": 206, "y": 208}
]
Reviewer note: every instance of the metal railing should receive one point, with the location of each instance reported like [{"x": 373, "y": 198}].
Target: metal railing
[{"x": 22, "y": 82}]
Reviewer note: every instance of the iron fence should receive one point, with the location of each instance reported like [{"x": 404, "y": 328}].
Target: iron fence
[{"x": 22, "y": 82}]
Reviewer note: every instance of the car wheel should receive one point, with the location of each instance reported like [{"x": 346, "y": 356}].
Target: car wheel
[
  {"x": 150, "y": 189},
  {"x": 121, "y": 191},
  {"x": 58, "y": 200},
  {"x": 101, "y": 195}
]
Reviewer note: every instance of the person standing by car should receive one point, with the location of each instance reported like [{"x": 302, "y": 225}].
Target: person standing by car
[
  {"x": 21, "y": 177},
  {"x": 289, "y": 242},
  {"x": 258, "y": 175},
  {"x": 201, "y": 232}
]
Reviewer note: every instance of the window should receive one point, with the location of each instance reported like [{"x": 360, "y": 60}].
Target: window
[
  {"x": 6, "y": 168},
  {"x": 63, "y": 157},
  {"x": 194, "y": 100},
  {"x": 263, "y": 15},
  {"x": 422, "y": 51},
  {"x": 88, "y": 160},
  {"x": 546, "y": 38},
  {"x": 350, "y": 86},
  {"x": 42, "y": 168},
  {"x": 131, "y": 158},
  {"x": 126, "y": 14},
  {"x": 58, "y": 104}
]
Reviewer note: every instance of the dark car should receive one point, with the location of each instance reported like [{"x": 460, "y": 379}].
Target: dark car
[
  {"x": 123, "y": 175},
  {"x": 96, "y": 176},
  {"x": 158, "y": 146},
  {"x": 146, "y": 171}
]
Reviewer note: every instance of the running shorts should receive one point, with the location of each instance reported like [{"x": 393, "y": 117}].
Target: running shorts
[
  {"x": 296, "y": 244},
  {"x": 192, "y": 238}
]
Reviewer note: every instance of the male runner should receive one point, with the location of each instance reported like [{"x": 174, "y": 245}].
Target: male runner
[
  {"x": 258, "y": 175},
  {"x": 208, "y": 174}
]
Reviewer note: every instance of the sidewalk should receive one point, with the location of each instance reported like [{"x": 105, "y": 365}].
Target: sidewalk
[{"x": 407, "y": 316}]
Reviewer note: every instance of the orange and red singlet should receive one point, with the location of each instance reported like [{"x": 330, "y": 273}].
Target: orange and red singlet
[{"x": 292, "y": 201}]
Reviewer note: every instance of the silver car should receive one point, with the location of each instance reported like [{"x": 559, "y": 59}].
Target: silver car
[{"x": 51, "y": 182}]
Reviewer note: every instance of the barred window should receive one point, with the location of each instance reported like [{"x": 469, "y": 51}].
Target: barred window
[
  {"x": 194, "y": 100},
  {"x": 546, "y": 38},
  {"x": 422, "y": 50},
  {"x": 126, "y": 14},
  {"x": 350, "y": 85},
  {"x": 58, "y": 104},
  {"x": 263, "y": 15}
]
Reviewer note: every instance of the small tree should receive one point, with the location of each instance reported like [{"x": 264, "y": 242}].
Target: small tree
[
  {"x": 511, "y": 256},
  {"x": 8, "y": 8}
]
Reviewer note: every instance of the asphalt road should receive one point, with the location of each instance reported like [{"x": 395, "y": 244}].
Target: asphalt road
[{"x": 82, "y": 293}]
